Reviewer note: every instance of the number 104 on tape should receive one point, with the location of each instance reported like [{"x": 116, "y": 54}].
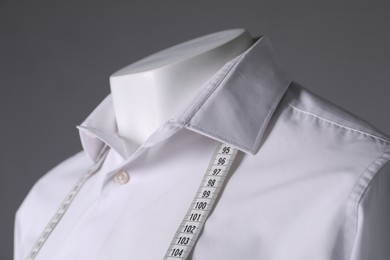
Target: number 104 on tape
[{"x": 203, "y": 202}]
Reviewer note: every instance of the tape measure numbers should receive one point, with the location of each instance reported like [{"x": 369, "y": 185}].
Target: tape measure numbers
[{"x": 188, "y": 232}]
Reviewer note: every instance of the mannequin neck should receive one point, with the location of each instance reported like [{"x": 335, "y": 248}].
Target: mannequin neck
[{"x": 147, "y": 93}]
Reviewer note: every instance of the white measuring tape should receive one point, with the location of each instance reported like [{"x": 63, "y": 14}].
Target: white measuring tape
[
  {"x": 188, "y": 232},
  {"x": 65, "y": 205}
]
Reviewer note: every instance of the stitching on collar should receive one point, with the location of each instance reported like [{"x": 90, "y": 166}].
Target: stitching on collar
[{"x": 222, "y": 137}]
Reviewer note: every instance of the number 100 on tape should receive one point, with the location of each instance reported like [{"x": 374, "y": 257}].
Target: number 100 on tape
[{"x": 204, "y": 200}]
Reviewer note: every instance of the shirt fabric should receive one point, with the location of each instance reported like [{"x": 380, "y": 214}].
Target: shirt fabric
[{"x": 310, "y": 181}]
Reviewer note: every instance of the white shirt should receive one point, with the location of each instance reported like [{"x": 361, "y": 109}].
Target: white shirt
[{"x": 312, "y": 181}]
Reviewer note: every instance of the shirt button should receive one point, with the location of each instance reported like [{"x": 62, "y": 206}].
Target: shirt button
[{"x": 121, "y": 177}]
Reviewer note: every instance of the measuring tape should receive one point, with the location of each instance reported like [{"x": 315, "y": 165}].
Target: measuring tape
[
  {"x": 190, "y": 227},
  {"x": 65, "y": 205},
  {"x": 188, "y": 232}
]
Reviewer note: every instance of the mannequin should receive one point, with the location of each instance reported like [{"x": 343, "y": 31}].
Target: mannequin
[
  {"x": 299, "y": 193},
  {"x": 148, "y": 92}
]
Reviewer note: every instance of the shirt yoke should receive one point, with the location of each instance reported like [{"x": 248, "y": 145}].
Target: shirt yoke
[{"x": 305, "y": 101}]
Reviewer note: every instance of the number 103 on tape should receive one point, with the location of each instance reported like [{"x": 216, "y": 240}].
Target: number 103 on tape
[{"x": 204, "y": 200}]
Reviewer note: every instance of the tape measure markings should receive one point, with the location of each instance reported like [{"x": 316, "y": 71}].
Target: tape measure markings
[
  {"x": 65, "y": 205},
  {"x": 188, "y": 232},
  {"x": 206, "y": 196}
]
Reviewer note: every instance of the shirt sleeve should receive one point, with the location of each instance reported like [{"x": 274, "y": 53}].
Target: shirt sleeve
[{"x": 372, "y": 239}]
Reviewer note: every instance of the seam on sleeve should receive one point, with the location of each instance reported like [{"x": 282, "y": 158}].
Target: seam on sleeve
[{"x": 360, "y": 188}]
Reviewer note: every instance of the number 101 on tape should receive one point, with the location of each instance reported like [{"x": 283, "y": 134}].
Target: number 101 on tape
[{"x": 204, "y": 200}]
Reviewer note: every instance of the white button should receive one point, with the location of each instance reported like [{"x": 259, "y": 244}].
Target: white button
[{"x": 121, "y": 177}]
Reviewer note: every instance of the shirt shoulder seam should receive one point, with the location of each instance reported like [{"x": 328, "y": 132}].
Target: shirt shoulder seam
[
  {"x": 358, "y": 191},
  {"x": 338, "y": 124}
]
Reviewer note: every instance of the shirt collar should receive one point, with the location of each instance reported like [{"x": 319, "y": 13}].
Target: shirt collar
[{"x": 233, "y": 107}]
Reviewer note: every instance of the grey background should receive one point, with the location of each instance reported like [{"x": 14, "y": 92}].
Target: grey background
[{"x": 56, "y": 58}]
